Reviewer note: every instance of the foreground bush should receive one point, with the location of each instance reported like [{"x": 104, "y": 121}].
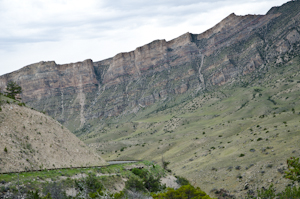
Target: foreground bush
[
  {"x": 184, "y": 192},
  {"x": 290, "y": 192}
]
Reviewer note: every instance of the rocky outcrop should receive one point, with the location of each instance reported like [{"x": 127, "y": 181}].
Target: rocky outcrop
[{"x": 79, "y": 93}]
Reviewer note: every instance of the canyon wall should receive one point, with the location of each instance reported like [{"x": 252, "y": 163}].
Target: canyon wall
[{"x": 82, "y": 93}]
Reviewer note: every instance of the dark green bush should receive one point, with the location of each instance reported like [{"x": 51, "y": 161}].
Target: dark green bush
[
  {"x": 152, "y": 184},
  {"x": 182, "y": 181},
  {"x": 290, "y": 192},
  {"x": 149, "y": 182},
  {"x": 134, "y": 183},
  {"x": 91, "y": 184},
  {"x": 266, "y": 193},
  {"x": 142, "y": 173},
  {"x": 186, "y": 191},
  {"x": 293, "y": 172},
  {"x": 119, "y": 195}
]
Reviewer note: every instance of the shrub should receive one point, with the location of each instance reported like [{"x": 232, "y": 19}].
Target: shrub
[
  {"x": 257, "y": 90},
  {"x": 182, "y": 181},
  {"x": 122, "y": 149},
  {"x": 90, "y": 185},
  {"x": 5, "y": 150},
  {"x": 290, "y": 192},
  {"x": 165, "y": 164},
  {"x": 134, "y": 183},
  {"x": 266, "y": 193},
  {"x": 21, "y": 104},
  {"x": 269, "y": 166},
  {"x": 152, "y": 184},
  {"x": 119, "y": 195},
  {"x": 186, "y": 191},
  {"x": 149, "y": 181},
  {"x": 140, "y": 172},
  {"x": 293, "y": 172}
]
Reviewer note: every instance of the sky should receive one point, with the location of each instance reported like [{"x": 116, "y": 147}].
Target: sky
[{"x": 68, "y": 31}]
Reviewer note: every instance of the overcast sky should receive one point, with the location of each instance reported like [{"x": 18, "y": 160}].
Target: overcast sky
[{"x": 74, "y": 30}]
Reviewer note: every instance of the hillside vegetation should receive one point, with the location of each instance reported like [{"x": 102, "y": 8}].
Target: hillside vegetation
[
  {"x": 236, "y": 137},
  {"x": 134, "y": 180}
]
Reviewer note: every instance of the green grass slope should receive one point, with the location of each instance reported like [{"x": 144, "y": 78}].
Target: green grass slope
[{"x": 235, "y": 137}]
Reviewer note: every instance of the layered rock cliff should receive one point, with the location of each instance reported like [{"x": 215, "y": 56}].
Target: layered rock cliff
[{"x": 80, "y": 94}]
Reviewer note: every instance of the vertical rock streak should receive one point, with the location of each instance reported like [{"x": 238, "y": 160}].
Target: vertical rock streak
[
  {"x": 81, "y": 97},
  {"x": 62, "y": 103},
  {"x": 200, "y": 74}
]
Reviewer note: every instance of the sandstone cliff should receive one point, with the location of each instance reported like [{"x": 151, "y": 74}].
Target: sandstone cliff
[{"x": 80, "y": 94}]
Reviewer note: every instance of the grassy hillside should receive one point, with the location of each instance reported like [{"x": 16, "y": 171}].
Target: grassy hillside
[{"x": 236, "y": 135}]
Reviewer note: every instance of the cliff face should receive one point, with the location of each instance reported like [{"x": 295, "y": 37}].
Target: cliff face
[
  {"x": 154, "y": 57},
  {"x": 51, "y": 85},
  {"x": 80, "y": 93}
]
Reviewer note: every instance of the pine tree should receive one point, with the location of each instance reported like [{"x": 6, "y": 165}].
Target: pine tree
[{"x": 13, "y": 89}]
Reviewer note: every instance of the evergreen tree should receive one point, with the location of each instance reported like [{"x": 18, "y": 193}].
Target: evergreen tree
[{"x": 13, "y": 89}]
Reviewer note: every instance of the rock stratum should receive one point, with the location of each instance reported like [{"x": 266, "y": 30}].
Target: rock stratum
[
  {"x": 34, "y": 141},
  {"x": 81, "y": 93}
]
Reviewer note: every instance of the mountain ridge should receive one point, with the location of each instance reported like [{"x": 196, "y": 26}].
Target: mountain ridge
[{"x": 159, "y": 70}]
